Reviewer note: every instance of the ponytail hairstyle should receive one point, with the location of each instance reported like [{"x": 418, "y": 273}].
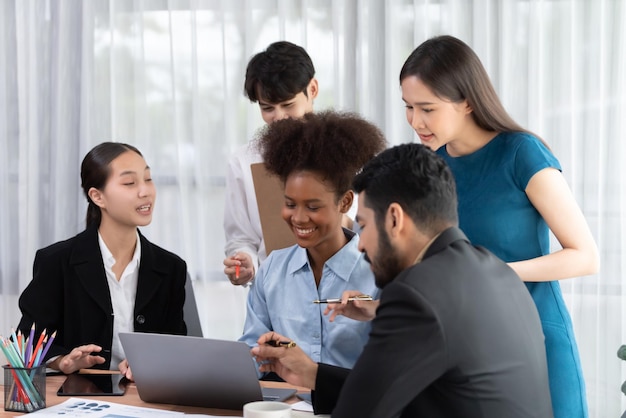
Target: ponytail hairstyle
[{"x": 95, "y": 171}]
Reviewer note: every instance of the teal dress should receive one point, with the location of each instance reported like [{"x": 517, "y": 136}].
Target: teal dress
[{"x": 495, "y": 212}]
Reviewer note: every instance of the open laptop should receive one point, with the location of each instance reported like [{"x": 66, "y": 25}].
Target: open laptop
[{"x": 195, "y": 371}]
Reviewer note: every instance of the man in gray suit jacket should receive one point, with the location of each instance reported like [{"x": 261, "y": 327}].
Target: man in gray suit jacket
[{"x": 456, "y": 333}]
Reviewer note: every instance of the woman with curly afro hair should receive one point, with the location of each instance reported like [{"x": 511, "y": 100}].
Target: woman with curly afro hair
[{"x": 316, "y": 158}]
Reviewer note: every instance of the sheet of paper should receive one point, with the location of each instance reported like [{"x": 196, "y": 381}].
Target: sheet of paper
[
  {"x": 79, "y": 407},
  {"x": 208, "y": 416},
  {"x": 302, "y": 406}
]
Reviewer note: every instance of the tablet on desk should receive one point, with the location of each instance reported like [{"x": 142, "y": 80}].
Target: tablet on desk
[{"x": 93, "y": 385}]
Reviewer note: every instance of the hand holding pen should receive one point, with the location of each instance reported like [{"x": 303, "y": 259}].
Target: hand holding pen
[
  {"x": 352, "y": 304},
  {"x": 339, "y": 300},
  {"x": 239, "y": 268},
  {"x": 279, "y": 354}
]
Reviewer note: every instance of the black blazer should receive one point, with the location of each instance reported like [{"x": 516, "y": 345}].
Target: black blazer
[
  {"x": 69, "y": 293},
  {"x": 456, "y": 335}
]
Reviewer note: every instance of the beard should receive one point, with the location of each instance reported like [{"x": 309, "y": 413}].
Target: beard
[{"x": 386, "y": 264}]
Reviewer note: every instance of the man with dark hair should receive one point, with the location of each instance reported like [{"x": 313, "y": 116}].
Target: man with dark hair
[
  {"x": 282, "y": 81},
  {"x": 456, "y": 333},
  {"x": 279, "y": 74}
]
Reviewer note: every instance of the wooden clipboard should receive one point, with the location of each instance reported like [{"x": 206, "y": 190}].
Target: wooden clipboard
[{"x": 270, "y": 199}]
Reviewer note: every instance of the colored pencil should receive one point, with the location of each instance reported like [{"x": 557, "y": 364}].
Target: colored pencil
[
  {"x": 24, "y": 395},
  {"x": 37, "y": 347},
  {"x": 38, "y": 355},
  {"x": 47, "y": 347},
  {"x": 20, "y": 346},
  {"x": 14, "y": 339},
  {"x": 20, "y": 376},
  {"x": 29, "y": 344}
]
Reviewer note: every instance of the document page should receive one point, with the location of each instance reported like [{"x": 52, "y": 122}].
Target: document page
[{"x": 79, "y": 407}]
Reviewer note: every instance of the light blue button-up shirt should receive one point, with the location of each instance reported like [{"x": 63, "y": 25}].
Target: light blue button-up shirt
[{"x": 281, "y": 299}]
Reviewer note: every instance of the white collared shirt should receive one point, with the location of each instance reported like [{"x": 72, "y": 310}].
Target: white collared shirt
[{"x": 122, "y": 294}]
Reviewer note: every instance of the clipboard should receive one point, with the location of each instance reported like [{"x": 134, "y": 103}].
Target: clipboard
[{"x": 270, "y": 199}]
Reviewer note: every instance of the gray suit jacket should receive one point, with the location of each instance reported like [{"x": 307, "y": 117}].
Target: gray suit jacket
[{"x": 456, "y": 335}]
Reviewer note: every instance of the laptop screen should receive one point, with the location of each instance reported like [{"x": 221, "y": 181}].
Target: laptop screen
[{"x": 194, "y": 371}]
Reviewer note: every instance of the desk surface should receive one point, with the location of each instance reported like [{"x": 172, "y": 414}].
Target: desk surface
[{"x": 132, "y": 398}]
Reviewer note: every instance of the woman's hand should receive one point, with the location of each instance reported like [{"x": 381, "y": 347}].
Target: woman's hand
[
  {"x": 82, "y": 357},
  {"x": 125, "y": 369}
]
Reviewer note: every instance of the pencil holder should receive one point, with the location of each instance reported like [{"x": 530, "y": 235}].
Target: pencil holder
[{"x": 24, "y": 388}]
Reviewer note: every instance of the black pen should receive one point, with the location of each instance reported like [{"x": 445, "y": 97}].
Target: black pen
[
  {"x": 100, "y": 353},
  {"x": 276, "y": 343},
  {"x": 337, "y": 300}
]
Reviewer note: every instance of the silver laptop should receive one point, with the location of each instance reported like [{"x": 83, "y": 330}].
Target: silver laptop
[{"x": 195, "y": 371}]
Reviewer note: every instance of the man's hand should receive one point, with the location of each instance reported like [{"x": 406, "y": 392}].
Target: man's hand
[
  {"x": 289, "y": 362},
  {"x": 361, "y": 310},
  {"x": 239, "y": 268}
]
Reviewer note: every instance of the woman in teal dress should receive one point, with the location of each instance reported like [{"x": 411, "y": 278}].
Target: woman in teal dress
[{"x": 511, "y": 194}]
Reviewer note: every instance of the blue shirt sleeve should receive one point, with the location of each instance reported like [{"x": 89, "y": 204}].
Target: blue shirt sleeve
[{"x": 531, "y": 157}]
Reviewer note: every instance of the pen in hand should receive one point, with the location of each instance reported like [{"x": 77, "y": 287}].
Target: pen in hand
[
  {"x": 101, "y": 353},
  {"x": 276, "y": 343},
  {"x": 338, "y": 300}
]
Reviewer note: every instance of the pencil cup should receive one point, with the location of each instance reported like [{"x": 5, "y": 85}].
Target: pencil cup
[
  {"x": 24, "y": 388},
  {"x": 267, "y": 409}
]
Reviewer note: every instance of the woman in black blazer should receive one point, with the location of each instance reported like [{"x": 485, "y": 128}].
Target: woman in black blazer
[{"x": 109, "y": 278}]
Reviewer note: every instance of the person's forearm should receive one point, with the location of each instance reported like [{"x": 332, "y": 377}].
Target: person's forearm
[
  {"x": 309, "y": 377},
  {"x": 562, "y": 264}
]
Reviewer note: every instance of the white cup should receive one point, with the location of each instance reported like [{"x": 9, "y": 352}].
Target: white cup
[{"x": 267, "y": 409}]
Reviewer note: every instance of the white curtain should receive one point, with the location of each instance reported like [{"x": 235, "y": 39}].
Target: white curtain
[{"x": 167, "y": 76}]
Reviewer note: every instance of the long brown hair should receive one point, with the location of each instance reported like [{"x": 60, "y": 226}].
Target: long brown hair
[{"x": 453, "y": 71}]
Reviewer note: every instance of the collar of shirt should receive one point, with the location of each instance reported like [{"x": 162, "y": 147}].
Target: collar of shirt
[
  {"x": 420, "y": 256},
  {"x": 342, "y": 263},
  {"x": 109, "y": 260}
]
